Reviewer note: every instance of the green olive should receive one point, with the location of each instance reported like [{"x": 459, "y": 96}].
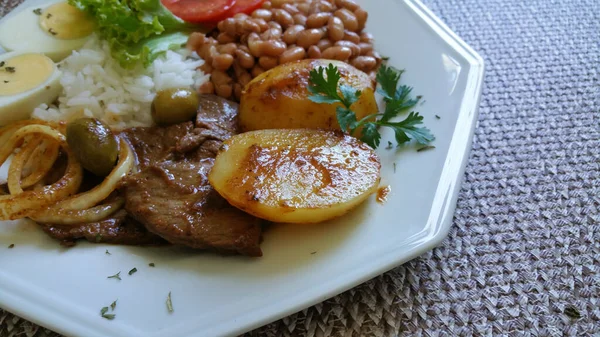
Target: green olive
[
  {"x": 172, "y": 106},
  {"x": 94, "y": 145}
]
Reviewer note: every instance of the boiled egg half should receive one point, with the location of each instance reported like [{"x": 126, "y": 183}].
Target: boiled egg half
[
  {"x": 55, "y": 30},
  {"x": 26, "y": 81}
]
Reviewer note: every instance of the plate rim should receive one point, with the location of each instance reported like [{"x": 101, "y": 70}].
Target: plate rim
[{"x": 453, "y": 171}]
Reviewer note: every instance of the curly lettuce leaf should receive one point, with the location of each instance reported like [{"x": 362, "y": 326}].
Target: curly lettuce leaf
[{"x": 132, "y": 26}]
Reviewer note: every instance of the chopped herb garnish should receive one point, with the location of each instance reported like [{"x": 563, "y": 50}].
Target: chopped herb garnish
[
  {"x": 51, "y": 31},
  {"x": 5, "y": 81},
  {"x": 572, "y": 312},
  {"x": 132, "y": 271},
  {"x": 12, "y": 245},
  {"x": 47, "y": 87},
  {"x": 37, "y": 11},
  {"x": 48, "y": 16},
  {"x": 102, "y": 104},
  {"x": 105, "y": 315},
  {"x": 437, "y": 117},
  {"x": 394, "y": 167},
  {"x": 117, "y": 276},
  {"x": 389, "y": 146},
  {"x": 107, "y": 252},
  {"x": 313, "y": 253},
  {"x": 151, "y": 264},
  {"x": 385, "y": 58},
  {"x": 10, "y": 69},
  {"x": 324, "y": 86},
  {"x": 2, "y": 63},
  {"x": 425, "y": 148},
  {"x": 113, "y": 305},
  {"x": 169, "y": 303}
]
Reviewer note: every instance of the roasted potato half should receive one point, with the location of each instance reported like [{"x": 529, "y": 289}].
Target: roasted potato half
[
  {"x": 295, "y": 176},
  {"x": 278, "y": 98}
]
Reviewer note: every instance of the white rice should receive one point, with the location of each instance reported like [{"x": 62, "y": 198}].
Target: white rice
[{"x": 94, "y": 85}]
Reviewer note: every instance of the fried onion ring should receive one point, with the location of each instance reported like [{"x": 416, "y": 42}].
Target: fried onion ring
[{"x": 26, "y": 203}]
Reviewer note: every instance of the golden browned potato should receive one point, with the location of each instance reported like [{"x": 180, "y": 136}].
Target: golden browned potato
[
  {"x": 295, "y": 176},
  {"x": 278, "y": 98}
]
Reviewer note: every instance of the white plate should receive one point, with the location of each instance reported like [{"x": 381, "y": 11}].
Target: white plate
[{"x": 64, "y": 289}]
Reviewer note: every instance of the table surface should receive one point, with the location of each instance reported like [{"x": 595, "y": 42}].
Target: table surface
[{"x": 523, "y": 255}]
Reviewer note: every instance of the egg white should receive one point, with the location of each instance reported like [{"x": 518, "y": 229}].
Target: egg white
[
  {"x": 22, "y": 32},
  {"x": 20, "y": 106}
]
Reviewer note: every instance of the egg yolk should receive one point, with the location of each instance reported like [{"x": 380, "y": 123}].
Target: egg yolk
[
  {"x": 24, "y": 72},
  {"x": 66, "y": 22}
]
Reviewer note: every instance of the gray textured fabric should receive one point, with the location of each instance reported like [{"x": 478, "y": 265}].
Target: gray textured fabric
[{"x": 525, "y": 245}]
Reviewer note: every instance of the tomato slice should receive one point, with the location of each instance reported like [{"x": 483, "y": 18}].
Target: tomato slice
[
  {"x": 241, "y": 6},
  {"x": 197, "y": 11}
]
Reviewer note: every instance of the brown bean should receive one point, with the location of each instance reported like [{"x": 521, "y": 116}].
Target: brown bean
[
  {"x": 271, "y": 34},
  {"x": 299, "y": 19},
  {"x": 292, "y": 54},
  {"x": 348, "y": 4},
  {"x": 303, "y": 7},
  {"x": 283, "y": 18},
  {"x": 309, "y": 37},
  {"x": 206, "y": 68},
  {"x": 219, "y": 77},
  {"x": 195, "y": 41},
  {"x": 262, "y": 24},
  {"x": 291, "y": 34},
  {"x": 264, "y": 14},
  {"x": 366, "y": 37},
  {"x": 335, "y": 27},
  {"x": 228, "y": 48},
  {"x": 273, "y": 24},
  {"x": 324, "y": 44},
  {"x": 337, "y": 53},
  {"x": 237, "y": 91},
  {"x": 355, "y": 48},
  {"x": 227, "y": 26},
  {"x": 241, "y": 16},
  {"x": 249, "y": 26},
  {"x": 267, "y": 5},
  {"x": 244, "y": 59},
  {"x": 351, "y": 36},
  {"x": 318, "y": 6},
  {"x": 268, "y": 62},
  {"x": 273, "y": 48},
  {"x": 244, "y": 79},
  {"x": 347, "y": 18},
  {"x": 279, "y": 3},
  {"x": 361, "y": 17},
  {"x": 225, "y": 38},
  {"x": 314, "y": 52},
  {"x": 207, "y": 88},
  {"x": 364, "y": 63},
  {"x": 224, "y": 90},
  {"x": 365, "y": 47},
  {"x": 257, "y": 70},
  {"x": 222, "y": 62},
  {"x": 288, "y": 7},
  {"x": 317, "y": 20},
  {"x": 255, "y": 45}
]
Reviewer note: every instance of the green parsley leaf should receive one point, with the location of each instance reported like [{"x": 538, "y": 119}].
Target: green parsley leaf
[
  {"x": 370, "y": 135},
  {"x": 151, "y": 264},
  {"x": 407, "y": 130},
  {"x": 113, "y": 305},
  {"x": 388, "y": 78},
  {"x": 169, "y": 303},
  {"x": 346, "y": 118},
  {"x": 349, "y": 95},
  {"x": 132, "y": 271},
  {"x": 324, "y": 90},
  {"x": 105, "y": 315},
  {"x": 117, "y": 276}
]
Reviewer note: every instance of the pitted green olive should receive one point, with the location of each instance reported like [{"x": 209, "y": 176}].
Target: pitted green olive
[
  {"x": 172, "y": 106},
  {"x": 94, "y": 144}
]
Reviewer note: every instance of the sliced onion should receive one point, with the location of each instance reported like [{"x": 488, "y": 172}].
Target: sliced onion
[
  {"x": 29, "y": 202},
  {"x": 41, "y": 162},
  {"x": 109, "y": 184},
  {"x": 15, "y": 169},
  {"x": 77, "y": 217}
]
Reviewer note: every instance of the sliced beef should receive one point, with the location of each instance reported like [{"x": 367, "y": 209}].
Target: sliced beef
[
  {"x": 172, "y": 197},
  {"x": 117, "y": 229}
]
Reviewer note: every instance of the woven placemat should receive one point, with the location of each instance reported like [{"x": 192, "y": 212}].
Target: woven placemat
[{"x": 523, "y": 256}]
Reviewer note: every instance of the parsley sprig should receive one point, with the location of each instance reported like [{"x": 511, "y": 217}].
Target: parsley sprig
[{"x": 325, "y": 88}]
